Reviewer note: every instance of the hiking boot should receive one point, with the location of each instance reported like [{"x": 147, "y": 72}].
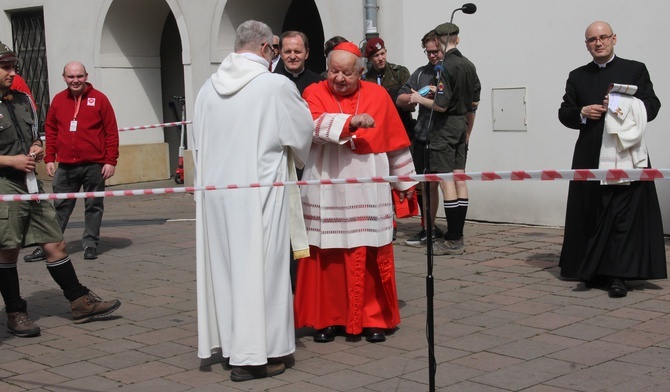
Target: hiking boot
[
  {"x": 449, "y": 247},
  {"x": 90, "y": 306},
  {"x": 420, "y": 238},
  {"x": 246, "y": 373},
  {"x": 19, "y": 324},
  {"x": 37, "y": 255}
]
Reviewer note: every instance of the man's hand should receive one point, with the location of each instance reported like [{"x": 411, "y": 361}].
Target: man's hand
[
  {"x": 414, "y": 98},
  {"x": 593, "y": 112},
  {"x": 425, "y": 100},
  {"x": 404, "y": 101},
  {"x": 37, "y": 151},
  {"x": 408, "y": 194},
  {"x": 51, "y": 169},
  {"x": 108, "y": 171},
  {"x": 362, "y": 120},
  {"x": 24, "y": 163}
]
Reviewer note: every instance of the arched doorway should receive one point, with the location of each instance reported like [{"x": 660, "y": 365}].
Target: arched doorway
[
  {"x": 172, "y": 87},
  {"x": 139, "y": 60},
  {"x": 303, "y": 15},
  {"x": 280, "y": 15}
]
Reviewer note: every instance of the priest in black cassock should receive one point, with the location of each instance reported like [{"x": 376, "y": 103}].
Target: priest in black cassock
[
  {"x": 294, "y": 51},
  {"x": 613, "y": 233}
]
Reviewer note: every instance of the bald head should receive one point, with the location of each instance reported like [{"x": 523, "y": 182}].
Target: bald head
[
  {"x": 74, "y": 66},
  {"x": 600, "y": 41},
  {"x": 75, "y": 76},
  {"x": 599, "y": 27}
]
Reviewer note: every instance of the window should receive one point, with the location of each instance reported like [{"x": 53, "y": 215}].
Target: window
[{"x": 30, "y": 47}]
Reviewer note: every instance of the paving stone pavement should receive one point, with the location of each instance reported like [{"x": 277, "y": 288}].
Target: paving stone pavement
[{"x": 504, "y": 321}]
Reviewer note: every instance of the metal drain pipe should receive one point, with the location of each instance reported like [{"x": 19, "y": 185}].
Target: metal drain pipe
[{"x": 371, "y": 9}]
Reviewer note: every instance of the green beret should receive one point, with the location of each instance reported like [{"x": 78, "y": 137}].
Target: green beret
[{"x": 447, "y": 29}]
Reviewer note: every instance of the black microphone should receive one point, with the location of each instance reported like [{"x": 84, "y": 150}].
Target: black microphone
[{"x": 469, "y": 8}]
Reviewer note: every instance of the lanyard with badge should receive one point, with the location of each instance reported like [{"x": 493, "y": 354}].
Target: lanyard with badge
[{"x": 73, "y": 123}]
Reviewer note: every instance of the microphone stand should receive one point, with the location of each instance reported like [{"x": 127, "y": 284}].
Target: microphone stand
[{"x": 430, "y": 282}]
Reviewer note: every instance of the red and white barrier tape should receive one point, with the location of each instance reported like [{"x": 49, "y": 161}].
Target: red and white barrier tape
[
  {"x": 163, "y": 125},
  {"x": 518, "y": 175}
]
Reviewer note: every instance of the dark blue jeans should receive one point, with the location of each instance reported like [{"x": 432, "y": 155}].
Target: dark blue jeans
[{"x": 71, "y": 179}]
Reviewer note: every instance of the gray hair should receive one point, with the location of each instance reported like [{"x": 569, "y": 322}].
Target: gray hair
[{"x": 252, "y": 34}]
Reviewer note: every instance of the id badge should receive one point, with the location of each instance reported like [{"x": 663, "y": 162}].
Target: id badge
[
  {"x": 31, "y": 182},
  {"x": 73, "y": 126}
]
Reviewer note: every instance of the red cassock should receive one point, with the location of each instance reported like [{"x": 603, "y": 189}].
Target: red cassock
[{"x": 351, "y": 284}]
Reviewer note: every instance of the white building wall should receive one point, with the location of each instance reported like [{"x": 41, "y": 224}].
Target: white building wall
[
  {"x": 513, "y": 43},
  {"x": 534, "y": 44}
]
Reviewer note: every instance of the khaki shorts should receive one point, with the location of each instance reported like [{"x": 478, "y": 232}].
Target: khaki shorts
[{"x": 26, "y": 223}]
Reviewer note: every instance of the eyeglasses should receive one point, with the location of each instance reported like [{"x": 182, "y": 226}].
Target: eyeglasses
[
  {"x": 603, "y": 38},
  {"x": 275, "y": 46},
  {"x": 431, "y": 52}
]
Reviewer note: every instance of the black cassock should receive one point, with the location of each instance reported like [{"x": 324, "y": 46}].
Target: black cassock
[{"x": 610, "y": 230}]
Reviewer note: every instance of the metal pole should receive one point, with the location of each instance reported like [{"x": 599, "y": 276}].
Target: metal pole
[{"x": 371, "y": 19}]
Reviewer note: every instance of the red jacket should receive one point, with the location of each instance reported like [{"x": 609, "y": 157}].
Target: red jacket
[{"x": 96, "y": 139}]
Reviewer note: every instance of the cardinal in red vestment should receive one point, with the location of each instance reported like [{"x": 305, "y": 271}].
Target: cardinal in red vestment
[{"x": 347, "y": 284}]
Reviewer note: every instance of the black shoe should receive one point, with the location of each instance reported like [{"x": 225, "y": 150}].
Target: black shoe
[
  {"x": 374, "y": 335},
  {"x": 246, "y": 373},
  {"x": 37, "y": 255},
  {"x": 616, "y": 288},
  {"x": 90, "y": 253},
  {"x": 327, "y": 334}
]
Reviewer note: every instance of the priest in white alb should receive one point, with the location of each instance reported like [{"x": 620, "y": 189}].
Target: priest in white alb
[{"x": 250, "y": 126}]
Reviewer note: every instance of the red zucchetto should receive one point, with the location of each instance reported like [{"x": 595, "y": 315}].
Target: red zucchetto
[{"x": 349, "y": 47}]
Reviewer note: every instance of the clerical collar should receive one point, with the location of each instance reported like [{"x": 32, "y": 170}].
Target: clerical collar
[
  {"x": 295, "y": 75},
  {"x": 605, "y": 64}
]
